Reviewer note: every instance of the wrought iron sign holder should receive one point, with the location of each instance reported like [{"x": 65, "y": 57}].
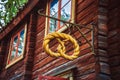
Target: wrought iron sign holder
[{"x": 78, "y": 26}]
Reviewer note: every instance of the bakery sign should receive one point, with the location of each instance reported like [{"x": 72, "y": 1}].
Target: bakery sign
[{"x": 51, "y": 78}]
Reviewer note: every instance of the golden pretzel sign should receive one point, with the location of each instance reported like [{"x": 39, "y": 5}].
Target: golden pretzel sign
[{"x": 61, "y": 38}]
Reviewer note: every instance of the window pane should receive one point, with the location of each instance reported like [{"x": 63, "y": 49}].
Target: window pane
[
  {"x": 53, "y": 25},
  {"x": 14, "y": 48},
  {"x": 22, "y": 36},
  {"x": 13, "y": 54},
  {"x": 21, "y": 43},
  {"x": 54, "y": 13},
  {"x": 66, "y": 10},
  {"x": 15, "y": 41},
  {"x": 64, "y": 2},
  {"x": 54, "y": 8}
]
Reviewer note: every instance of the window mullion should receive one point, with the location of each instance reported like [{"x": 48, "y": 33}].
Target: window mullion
[
  {"x": 17, "y": 45},
  {"x": 48, "y": 24},
  {"x": 59, "y": 13}
]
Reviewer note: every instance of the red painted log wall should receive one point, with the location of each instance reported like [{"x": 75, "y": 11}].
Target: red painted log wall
[{"x": 86, "y": 12}]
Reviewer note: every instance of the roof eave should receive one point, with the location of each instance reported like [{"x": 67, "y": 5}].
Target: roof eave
[{"x": 17, "y": 19}]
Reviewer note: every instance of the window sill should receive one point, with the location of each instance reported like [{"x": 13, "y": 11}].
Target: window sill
[{"x": 13, "y": 62}]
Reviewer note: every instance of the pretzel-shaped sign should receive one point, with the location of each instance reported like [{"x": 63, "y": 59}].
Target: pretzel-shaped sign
[{"x": 61, "y": 38}]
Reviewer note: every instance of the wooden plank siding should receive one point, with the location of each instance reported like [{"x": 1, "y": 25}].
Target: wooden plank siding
[
  {"x": 86, "y": 12},
  {"x": 22, "y": 69},
  {"x": 103, "y": 68},
  {"x": 102, "y": 64}
]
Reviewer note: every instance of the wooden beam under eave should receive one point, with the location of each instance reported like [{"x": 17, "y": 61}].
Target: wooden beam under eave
[{"x": 14, "y": 23}]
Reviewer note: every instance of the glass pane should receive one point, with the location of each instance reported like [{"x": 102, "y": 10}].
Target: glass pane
[
  {"x": 21, "y": 43},
  {"x": 19, "y": 50},
  {"x": 13, "y": 54},
  {"x": 53, "y": 25},
  {"x": 14, "y": 48},
  {"x": 66, "y": 10},
  {"x": 64, "y": 2},
  {"x": 15, "y": 41},
  {"x": 22, "y": 36},
  {"x": 54, "y": 8},
  {"x": 53, "y": 13}
]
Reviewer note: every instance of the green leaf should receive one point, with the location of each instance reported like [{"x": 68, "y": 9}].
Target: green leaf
[{"x": 11, "y": 9}]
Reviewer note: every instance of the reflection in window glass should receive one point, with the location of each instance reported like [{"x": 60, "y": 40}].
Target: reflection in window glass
[
  {"x": 21, "y": 43},
  {"x": 15, "y": 41},
  {"x": 66, "y": 11},
  {"x": 53, "y": 25},
  {"x": 17, "y": 47},
  {"x": 53, "y": 13},
  {"x": 54, "y": 8},
  {"x": 60, "y": 9},
  {"x": 13, "y": 54},
  {"x": 14, "y": 48}
]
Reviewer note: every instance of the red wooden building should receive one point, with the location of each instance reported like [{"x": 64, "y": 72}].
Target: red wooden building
[{"x": 95, "y": 24}]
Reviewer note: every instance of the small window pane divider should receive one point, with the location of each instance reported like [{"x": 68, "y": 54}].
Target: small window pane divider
[{"x": 78, "y": 26}]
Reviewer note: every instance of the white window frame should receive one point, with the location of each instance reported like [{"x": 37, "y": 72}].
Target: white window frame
[
  {"x": 22, "y": 55},
  {"x": 64, "y": 27}
]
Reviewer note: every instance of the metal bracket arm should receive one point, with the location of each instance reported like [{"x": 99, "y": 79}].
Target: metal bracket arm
[{"x": 78, "y": 26}]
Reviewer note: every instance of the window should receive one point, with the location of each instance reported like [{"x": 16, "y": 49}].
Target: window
[
  {"x": 61, "y": 9},
  {"x": 17, "y": 46}
]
